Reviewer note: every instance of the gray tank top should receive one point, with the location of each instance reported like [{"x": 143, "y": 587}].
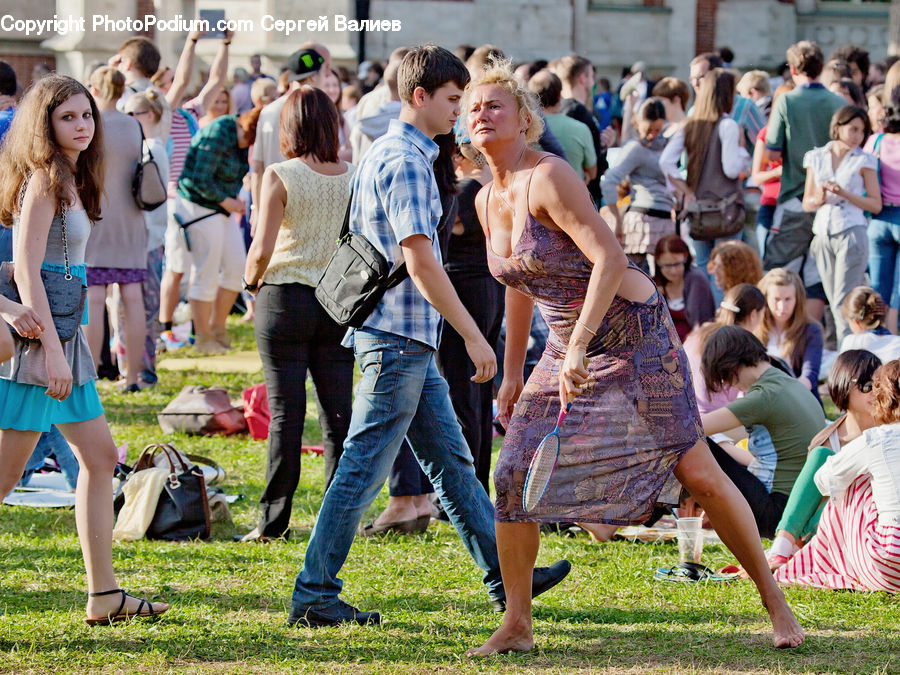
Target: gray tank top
[{"x": 78, "y": 229}]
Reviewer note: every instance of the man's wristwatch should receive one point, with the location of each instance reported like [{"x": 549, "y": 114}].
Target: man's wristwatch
[{"x": 249, "y": 287}]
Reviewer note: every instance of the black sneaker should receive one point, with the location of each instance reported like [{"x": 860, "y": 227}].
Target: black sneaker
[
  {"x": 543, "y": 579},
  {"x": 331, "y": 616}
]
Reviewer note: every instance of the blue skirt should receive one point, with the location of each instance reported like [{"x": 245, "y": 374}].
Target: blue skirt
[{"x": 25, "y": 407}]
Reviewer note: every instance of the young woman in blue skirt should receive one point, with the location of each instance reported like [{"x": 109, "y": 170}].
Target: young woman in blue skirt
[{"x": 50, "y": 182}]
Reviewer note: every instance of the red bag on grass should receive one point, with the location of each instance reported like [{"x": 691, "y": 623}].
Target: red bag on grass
[{"x": 256, "y": 411}]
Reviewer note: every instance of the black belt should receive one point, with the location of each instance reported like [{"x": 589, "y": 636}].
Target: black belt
[{"x": 653, "y": 213}]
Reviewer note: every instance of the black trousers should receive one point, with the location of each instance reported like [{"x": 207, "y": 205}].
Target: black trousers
[
  {"x": 767, "y": 506},
  {"x": 294, "y": 335},
  {"x": 483, "y": 297}
]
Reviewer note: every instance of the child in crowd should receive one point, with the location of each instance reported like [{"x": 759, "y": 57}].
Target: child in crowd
[
  {"x": 841, "y": 185},
  {"x": 864, "y": 311}
]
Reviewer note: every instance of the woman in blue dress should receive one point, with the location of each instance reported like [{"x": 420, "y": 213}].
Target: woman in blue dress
[{"x": 50, "y": 182}]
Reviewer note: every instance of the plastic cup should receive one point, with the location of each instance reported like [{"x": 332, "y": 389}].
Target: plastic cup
[{"x": 690, "y": 539}]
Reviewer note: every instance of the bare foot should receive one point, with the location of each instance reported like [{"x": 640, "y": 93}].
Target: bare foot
[
  {"x": 505, "y": 639},
  {"x": 398, "y": 510},
  {"x": 786, "y": 629},
  {"x": 599, "y": 532},
  {"x": 105, "y": 605},
  {"x": 423, "y": 505}
]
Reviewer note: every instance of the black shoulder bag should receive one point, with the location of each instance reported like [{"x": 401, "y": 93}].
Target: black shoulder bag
[{"x": 356, "y": 278}]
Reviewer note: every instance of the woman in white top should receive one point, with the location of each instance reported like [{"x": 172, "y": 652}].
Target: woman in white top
[
  {"x": 148, "y": 108},
  {"x": 857, "y": 545},
  {"x": 842, "y": 183},
  {"x": 714, "y": 101},
  {"x": 864, "y": 310},
  {"x": 302, "y": 205}
]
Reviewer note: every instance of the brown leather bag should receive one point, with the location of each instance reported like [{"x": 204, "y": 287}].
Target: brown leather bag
[
  {"x": 198, "y": 410},
  {"x": 718, "y": 210}
]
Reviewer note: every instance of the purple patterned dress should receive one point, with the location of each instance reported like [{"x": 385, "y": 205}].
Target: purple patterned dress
[{"x": 635, "y": 417}]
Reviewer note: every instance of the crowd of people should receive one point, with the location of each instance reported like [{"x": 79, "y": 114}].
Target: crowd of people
[{"x": 681, "y": 242}]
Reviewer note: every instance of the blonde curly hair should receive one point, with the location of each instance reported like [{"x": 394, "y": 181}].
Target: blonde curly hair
[{"x": 500, "y": 72}]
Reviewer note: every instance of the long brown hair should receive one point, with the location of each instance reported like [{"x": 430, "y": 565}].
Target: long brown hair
[
  {"x": 794, "y": 341},
  {"x": 714, "y": 99},
  {"x": 31, "y": 144}
]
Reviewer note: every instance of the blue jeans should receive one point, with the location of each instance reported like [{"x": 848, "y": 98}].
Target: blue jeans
[
  {"x": 884, "y": 254},
  {"x": 702, "y": 250},
  {"x": 401, "y": 394},
  {"x": 764, "y": 218},
  {"x": 52, "y": 443}
]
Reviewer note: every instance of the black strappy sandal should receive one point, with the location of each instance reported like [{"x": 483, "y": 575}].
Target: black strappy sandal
[{"x": 119, "y": 614}]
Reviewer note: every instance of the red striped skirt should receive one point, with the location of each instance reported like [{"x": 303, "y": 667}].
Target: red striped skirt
[{"x": 851, "y": 550}]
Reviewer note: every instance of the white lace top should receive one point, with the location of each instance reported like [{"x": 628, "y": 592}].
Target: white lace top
[{"x": 313, "y": 216}]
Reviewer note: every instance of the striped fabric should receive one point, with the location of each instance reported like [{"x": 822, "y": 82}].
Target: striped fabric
[{"x": 851, "y": 550}]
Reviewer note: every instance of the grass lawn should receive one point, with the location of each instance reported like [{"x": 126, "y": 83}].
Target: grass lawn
[{"x": 230, "y": 600}]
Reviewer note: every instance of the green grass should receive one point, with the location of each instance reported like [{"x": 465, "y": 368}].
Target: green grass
[{"x": 230, "y": 601}]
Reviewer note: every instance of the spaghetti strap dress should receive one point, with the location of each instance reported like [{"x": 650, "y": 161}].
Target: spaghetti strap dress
[
  {"x": 24, "y": 404},
  {"x": 636, "y": 415}
]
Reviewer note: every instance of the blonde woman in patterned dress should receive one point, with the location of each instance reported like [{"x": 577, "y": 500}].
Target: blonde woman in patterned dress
[
  {"x": 634, "y": 420},
  {"x": 303, "y": 201}
]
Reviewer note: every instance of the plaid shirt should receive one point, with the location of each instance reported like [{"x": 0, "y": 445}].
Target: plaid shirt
[
  {"x": 749, "y": 118},
  {"x": 395, "y": 196},
  {"x": 215, "y": 166}
]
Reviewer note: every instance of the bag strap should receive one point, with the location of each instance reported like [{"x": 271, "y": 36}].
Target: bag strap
[
  {"x": 150, "y": 451},
  {"x": 63, "y": 210},
  {"x": 877, "y": 152},
  {"x": 144, "y": 142}
]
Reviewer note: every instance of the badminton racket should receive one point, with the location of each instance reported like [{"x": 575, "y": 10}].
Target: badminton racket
[{"x": 544, "y": 462}]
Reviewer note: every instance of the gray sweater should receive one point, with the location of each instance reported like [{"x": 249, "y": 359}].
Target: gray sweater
[{"x": 639, "y": 163}]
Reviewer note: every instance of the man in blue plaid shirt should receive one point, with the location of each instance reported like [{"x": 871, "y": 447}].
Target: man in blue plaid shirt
[{"x": 396, "y": 206}]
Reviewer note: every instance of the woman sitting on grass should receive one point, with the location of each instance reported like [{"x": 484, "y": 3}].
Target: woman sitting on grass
[
  {"x": 850, "y": 389},
  {"x": 865, "y": 311},
  {"x": 733, "y": 357},
  {"x": 786, "y": 330},
  {"x": 683, "y": 285},
  {"x": 743, "y": 306},
  {"x": 857, "y": 545},
  {"x": 731, "y": 263}
]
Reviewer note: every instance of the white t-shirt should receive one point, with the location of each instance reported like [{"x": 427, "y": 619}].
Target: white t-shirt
[
  {"x": 267, "y": 147},
  {"x": 885, "y": 347}
]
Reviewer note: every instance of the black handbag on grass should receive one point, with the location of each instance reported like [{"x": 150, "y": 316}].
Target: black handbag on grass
[
  {"x": 183, "y": 510},
  {"x": 65, "y": 293},
  {"x": 356, "y": 278}
]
